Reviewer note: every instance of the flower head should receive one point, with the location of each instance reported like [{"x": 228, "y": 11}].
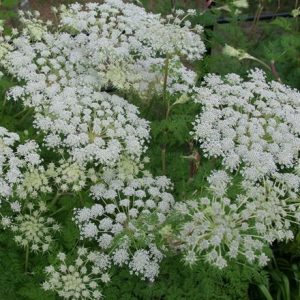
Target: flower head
[
  {"x": 249, "y": 123},
  {"x": 31, "y": 227},
  {"x": 15, "y": 160},
  {"x": 79, "y": 279},
  {"x": 219, "y": 228},
  {"x": 128, "y": 216}
]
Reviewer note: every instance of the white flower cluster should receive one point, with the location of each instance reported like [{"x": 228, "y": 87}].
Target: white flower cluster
[
  {"x": 79, "y": 280},
  {"x": 251, "y": 123},
  {"x": 95, "y": 47},
  {"x": 64, "y": 177},
  {"x": 127, "y": 169},
  {"x": 69, "y": 176},
  {"x": 129, "y": 212},
  {"x": 90, "y": 125},
  {"x": 67, "y": 70},
  {"x": 125, "y": 206},
  {"x": 144, "y": 262},
  {"x": 151, "y": 75},
  {"x": 94, "y": 126},
  {"x": 35, "y": 181},
  {"x": 131, "y": 29},
  {"x": 217, "y": 228},
  {"x": 5, "y": 47},
  {"x": 69, "y": 73},
  {"x": 277, "y": 205},
  {"x": 15, "y": 159},
  {"x": 33, "y": 26},
  {"x": 31, "y": 228}
]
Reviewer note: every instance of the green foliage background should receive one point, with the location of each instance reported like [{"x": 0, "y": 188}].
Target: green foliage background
[{"x": 277, "y": 40}]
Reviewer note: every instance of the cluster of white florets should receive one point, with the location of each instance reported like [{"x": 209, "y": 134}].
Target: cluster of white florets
[
  {"x": 33, "y": 25},
  {"x": 251, "y": 123},
  {"x": 145, "y": 262},
  {"x": 99, "y": 46},
  {"x": 5, "y": 47},
  {"x": 219, "y": 228},
  {"x": 80, "y": 279},
  {"x": 142, "y": 261},
  {"x": 31, "y": 226},
  {"x": 15, "y": 159},
  {"x": 35, "y": 181},
  {"x": 67, "y": 70},
  {"x": 129, "y": 211},
  {"x": 157, "y": 74},
  {"x": 125, "y": 206},
  {"x": 69, "y": 176},
  {"x": 277, "y": 206},
  {"x": 94, "y": 126},
  {"x": 131, "y": 29}
]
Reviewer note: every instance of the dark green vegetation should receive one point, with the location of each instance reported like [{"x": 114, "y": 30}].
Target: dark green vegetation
[{"x": 277, "y": 44}]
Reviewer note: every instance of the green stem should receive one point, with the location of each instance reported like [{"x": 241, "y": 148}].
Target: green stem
[
  {"x": 166, "y": 100},
  {"x": 163, "y": 159},
  {"x": 4, "y": 102},
  {"x": 56, "y": 212},
  {"x": 166, "y": 74},
  {"x": 26, "y": 258},
  {"x": 263, "y": 63},
  {"x": 173, "y": 5},
  {"x": 54, "y": 200},
  {"x": 270, "y": 67},
  {"x": 256, "y": 18},
  {"x": 25, "y": 115},
  {"x": 3, "y": 105},
  {"x": 20, "y": 113}
]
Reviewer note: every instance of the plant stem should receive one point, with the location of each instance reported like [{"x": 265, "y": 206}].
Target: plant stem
[
  {"x": 274, "y": 71},
  {"x": 54, "y": 200},
  {"x": 164, "y": 146},
  {"x": 256, "y": 17},
  {"x": 56, "y": 212},
  {"x": 4, "y": 102},
  {"x": 20, "y": 113},
  {"x": 3, "y": 105},
  {"x": 262, "y": 63},
  {"x": 278, "y": 7},
  {"x": 173, "y": 5},
  {"x": 26, "y": 258},
  {"x": 25, "y": 115},
  {"x": 270, "y": 67},
  {"x": 163, "y": 159},
  {"x": 166, "y": 74},
  {"x": 194, "y": 162}
]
